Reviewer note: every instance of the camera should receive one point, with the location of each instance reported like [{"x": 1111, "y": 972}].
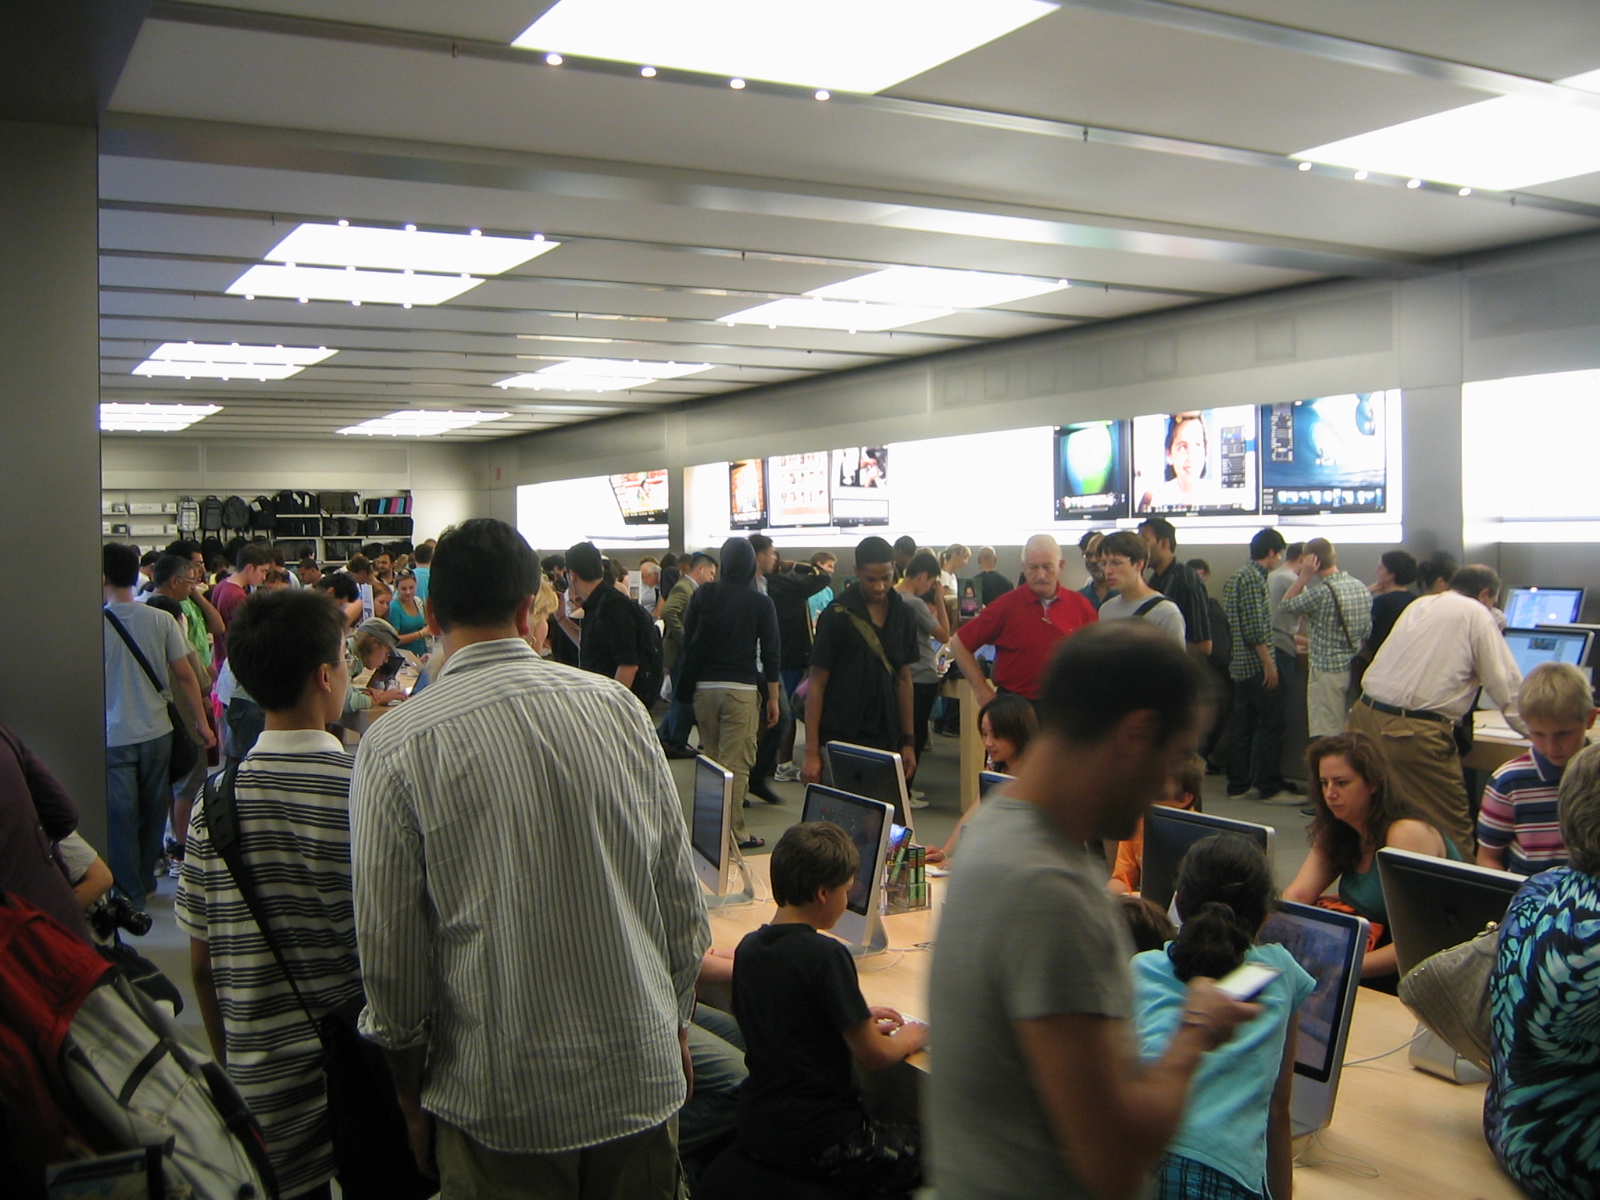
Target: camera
[{"x": 112, "y": 913}]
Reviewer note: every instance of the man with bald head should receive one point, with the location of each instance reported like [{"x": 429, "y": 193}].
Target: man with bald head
[{"x": 1023, "y": 626}]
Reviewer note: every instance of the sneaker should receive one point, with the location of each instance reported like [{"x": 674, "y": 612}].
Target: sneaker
[
  {"x": 787, "y": 773},
  {"x": 917, "y": 800},
  {"x": 175, "y": 868}
]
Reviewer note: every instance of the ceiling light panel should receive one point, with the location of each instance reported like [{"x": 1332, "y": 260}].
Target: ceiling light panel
[
  {"x": 361, "y": 287},
  {"x": 846, "y": 45},
  {"x": 799, "y": 313},
  {"x": 153, "y": 418},
  {"x": 936, "y": 286},
  {"x": 1502, "y": 144},
  {"x": 406, "y": 249},
  {"x": 601, "y": 375},
  {"x": 416, "y": 422},
  {"x": 207, "y": 360}
]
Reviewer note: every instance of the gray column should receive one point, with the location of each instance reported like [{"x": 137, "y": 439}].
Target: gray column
[{"x": 51, "y": 691}]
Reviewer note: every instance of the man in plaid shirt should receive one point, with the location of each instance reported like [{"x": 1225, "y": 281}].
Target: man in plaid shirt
[
  {"x": 1255, "y": 731},
  {"x": 1338, "y": 612}
]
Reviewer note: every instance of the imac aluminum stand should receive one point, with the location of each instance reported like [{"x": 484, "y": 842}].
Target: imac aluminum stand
[
  {"x": 877, "y": 939},
  {"x": 1431, "y": 1053},
  {"x": 747, "y": 891}
]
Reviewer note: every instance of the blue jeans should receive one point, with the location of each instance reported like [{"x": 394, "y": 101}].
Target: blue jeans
[
  {"x": 137, "y": 792},
  {"x": 717, "y": 1048}
]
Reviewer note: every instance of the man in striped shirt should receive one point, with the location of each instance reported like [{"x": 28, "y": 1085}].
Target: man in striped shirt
[
  {"x": 529, "y": 918},
  {"x": 291, "y": 798},
  {"x": 1519, "y": 826},
  {"x": 1257, "y": 668},
  {"x": 1338, "y": 612}
]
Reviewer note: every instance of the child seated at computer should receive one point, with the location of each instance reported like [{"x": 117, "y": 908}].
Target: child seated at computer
[
  {"x": 1183, "y": 791},
  {"x": 797, "y": 1001},
  {"x": 1235, "y": 1136},
  {"x": 1518, "y": 828},
  {"x": 1006, "y": 724},
  {"x": 1148, "y": 922}
]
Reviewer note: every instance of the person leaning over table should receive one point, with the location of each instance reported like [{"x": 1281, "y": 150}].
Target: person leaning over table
[
  {"x": 1358, "y": 811},
  {"x": 374, "y": 640},
  {"x": 1541, "y": 1114}
]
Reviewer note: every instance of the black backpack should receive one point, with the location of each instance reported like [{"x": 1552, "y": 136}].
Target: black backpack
[
  {"x": 652, "y": 663},
  {"x": 263, "y": 515},
  {"x": 211, "y": 515},
  {"x": 235, "y": 513}
]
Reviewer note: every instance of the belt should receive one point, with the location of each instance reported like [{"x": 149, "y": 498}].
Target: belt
[{"x": 1394, "y": 710}]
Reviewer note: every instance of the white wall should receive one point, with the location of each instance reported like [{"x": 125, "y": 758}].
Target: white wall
[{"x": 442, "y": 477}]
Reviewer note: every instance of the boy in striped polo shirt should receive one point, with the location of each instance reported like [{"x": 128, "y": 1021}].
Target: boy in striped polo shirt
[
  {"x": 1518, "y": 826},
  {"x": 291, "y": 799}
]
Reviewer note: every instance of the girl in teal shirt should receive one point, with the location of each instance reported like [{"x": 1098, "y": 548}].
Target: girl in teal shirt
[
  {"x": 409, "y": 616},
  {"x": 1234, "y": 1142}
]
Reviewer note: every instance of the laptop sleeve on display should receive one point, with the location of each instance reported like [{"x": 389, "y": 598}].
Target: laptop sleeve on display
[{"x": 299, "y": 527}]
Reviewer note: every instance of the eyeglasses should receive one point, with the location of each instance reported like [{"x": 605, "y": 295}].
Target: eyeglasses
[{"x": 1114, "y": 560}]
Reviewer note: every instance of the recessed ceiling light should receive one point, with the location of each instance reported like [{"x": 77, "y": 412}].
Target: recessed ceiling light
[
  {"x": 206, "y": 360},
  {"x": 328, "y": 283},
  {"x": 153, "y": 418},
  {"x": 813, "y": 313},
  {"x": 938, "y": 287},
  {"x": 648, "y": 72},
  {"x": 416, "y": 422},
  {"x": 823, "y": 94},
  {"x": 406, "y": 249},
  {"x": 601, "y": 375},
  {"x": 1305, "y": 166},
  {"x": 1502, "y": 144},
  {"x": 846, "y": 45},
  {"x": 1361, "y": 174},
  {"x": 554, "y": 60}
]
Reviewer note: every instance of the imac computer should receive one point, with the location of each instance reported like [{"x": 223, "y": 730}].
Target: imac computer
[
  {"x": 1530, "y": 606},
  {"x": 1168, "y": 834},
  {"x": 717, "y": 860},
  {"x": 1530, "y": 647},
  {"x": 1433, "y": 904},
  {"x": 989, "y": 780},
  {"x": 868, "y": 823},
  {"x": 1330, "y": 946},
  {"x": 877, "y": 774}
]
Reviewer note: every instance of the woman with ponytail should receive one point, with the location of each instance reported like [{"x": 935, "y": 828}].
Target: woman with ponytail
[{"x": 1234, "y": 1140}]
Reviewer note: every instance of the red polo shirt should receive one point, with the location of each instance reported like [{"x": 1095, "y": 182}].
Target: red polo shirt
[{"x": 1024, "y": 632}]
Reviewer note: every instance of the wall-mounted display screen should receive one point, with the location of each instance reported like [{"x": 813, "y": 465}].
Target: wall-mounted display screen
[
  {"x": 641, "y": 496},
  {"x": 747, "y": 494},
  {"x": 1327, "y": 455},
  {"x": 797, "y": 490},
  {"x": 1091, "y": 460},
  {"x": 860, "y": 478},
  {"x": 1201, "y": 462}
]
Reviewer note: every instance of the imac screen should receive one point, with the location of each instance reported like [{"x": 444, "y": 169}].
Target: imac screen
[
  {"x": 1324, "y": 950},
  {"x": 797, "y": 490},
  {"x": 1092, "y": 471},
  {"x": 1197, "y": 463},
  {"x": 1325, "y": 456},
  {"x": 1530, "y": 606},
  {"x": 747, "y": 494},
  {"x": 1530, "y": 647},
  {"x": 861, "y": 485},
  {"x": 705, "y": 825},
  {"x": 863, "y": 821}
]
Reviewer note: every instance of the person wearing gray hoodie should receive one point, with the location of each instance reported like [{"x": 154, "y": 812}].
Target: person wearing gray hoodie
[{"x": 729, "y": 667}]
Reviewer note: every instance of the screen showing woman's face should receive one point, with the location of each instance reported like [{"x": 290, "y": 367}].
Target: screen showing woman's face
[{"x": 1187, "y": 454}]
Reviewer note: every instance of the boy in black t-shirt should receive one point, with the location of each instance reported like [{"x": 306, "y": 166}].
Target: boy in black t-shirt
[{"x": 796, "y": 998}]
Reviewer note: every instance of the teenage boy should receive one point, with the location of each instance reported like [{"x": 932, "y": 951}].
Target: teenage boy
[
  {"x": 1123, "y": 557},
  {"x": 291, "y": 800},
  {"x": 805, "y": 1023},
  {"x": 1519, "y": 828}
]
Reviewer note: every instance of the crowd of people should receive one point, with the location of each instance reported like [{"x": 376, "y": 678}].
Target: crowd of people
[{"x": 502, "y": 874}]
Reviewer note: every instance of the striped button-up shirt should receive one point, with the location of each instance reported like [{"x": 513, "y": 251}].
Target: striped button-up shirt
[
  {"x": 525, "y": 901},
  {"x": 1249, "y": 609},
  {"x": 1338, "y": 612}
]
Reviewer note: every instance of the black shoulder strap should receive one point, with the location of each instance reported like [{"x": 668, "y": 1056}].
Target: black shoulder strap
[
  {"x": 1339, "y": 609},
  {"x": 138, "y": 654},
  {"x": 1148, "y": 605},
  {"x": 222, "y": 822}
]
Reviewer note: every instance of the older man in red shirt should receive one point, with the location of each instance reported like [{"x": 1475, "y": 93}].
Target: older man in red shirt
[{"x": 1023, "y": 626}]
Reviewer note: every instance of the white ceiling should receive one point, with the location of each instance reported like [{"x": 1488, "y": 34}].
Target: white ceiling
[{"x": 1152, "y": 178}]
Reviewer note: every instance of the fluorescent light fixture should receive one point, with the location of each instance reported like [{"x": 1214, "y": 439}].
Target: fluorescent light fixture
[
  {"x": 937, "y": 286},
  {"x": 329, "y": 283},
  {"x": 406, "y": 250},
  {"x": 153, "y": 418},
  {"x": 601, "y": 375},
  {"x": 845, "y": 45},
  {"x": 807, "y": 313},
  {"x": 1502, "y": 144},
  {"x": 207, "y": 360},
  {"x": 416, "y": 422}
]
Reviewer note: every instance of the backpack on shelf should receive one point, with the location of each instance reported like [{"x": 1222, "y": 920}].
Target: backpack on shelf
[
  {"x": 188, "y": 516},
  {"x": 211, "y": 515},
  {"x": 296, "y": 503},
  {"x": 337, "y": 503},
  {"x": 263, "y": 515},
  {"x": 299, "y": 527},
  {"x": 210, "y": 548},
  {"x": 235, "y": 513}
]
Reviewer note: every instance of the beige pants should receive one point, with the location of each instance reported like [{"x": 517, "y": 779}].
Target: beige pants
[
  {"x": 1424, "y": 771},
  {"x": 642, "y": 1166},
  {"x": 1326, "y": 693},
  {"x": 730, "y": 723}
]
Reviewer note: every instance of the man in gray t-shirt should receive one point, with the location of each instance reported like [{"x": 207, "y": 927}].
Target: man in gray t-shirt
[{"x": 1036, "y": 1088}]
